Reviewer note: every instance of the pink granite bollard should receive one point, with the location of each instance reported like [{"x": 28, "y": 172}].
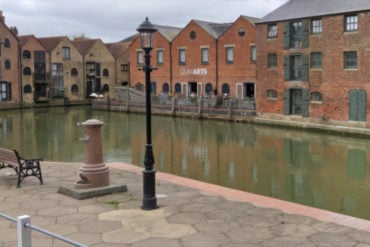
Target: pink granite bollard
[{"x": 94, "y": 173}]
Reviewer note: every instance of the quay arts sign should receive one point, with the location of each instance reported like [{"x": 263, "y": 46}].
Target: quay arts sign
[{"x": 196, "y": 71}]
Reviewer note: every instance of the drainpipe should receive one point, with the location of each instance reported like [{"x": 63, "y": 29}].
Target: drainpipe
[
  {"x": 217, "y": 65},
  {"x": 171, "y": 73},
  {"x": 20, "y": 75}
]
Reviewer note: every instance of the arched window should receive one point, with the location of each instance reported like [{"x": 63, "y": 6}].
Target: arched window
[
  {"x": 105, "y": 72},
  {"x": 165, "y": 87},
  {"x": 74, "y": 72},
  {"x": 27, "y": 71},
  {"x": 26, "y": 54},
  {"x": 271, "y": 94},
  {"x": 209, "y": 88},
  {"x": 316, "y": 96},
  {"x": 27, "y": 89},
  {"x": 8, "y": 64},
  {"x": 225, "y": 88},
  {"x": 177, "y": 88},
  {"x": 7, "y": 43},
  {"x": 105, "y": 88},
  {"x": 74, "y": 89}
]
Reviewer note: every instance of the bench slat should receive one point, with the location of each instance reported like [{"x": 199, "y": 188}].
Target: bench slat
[{"x": 23, "y": 167}]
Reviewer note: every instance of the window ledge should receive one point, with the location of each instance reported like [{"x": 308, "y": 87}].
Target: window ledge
[
  {"x": 350, "y": 32},
  {"x": 350, "y": 69},
  {"x": 316, "y": 102},
  {"x": 316, "y": 69}
]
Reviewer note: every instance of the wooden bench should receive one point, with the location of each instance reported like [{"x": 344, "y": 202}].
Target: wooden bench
[{"x": 23, "y": 167}]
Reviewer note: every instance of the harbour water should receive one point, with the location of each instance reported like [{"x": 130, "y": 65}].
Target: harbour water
[{"x": 317, "y": 169}]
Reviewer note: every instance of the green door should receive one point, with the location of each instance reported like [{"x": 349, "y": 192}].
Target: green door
[
  {"x": 357, "y": 105},
  {"x": 296, "y": 102}
]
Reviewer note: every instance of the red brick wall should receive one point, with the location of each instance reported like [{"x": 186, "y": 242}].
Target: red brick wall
[
  {"x": 183, "y": 73},
  {"x": 11, "y": 54},
  {"x": 333, "y": 81},
  {"x": 243, "y": 69},
  {"x": 162, "y": 74}
]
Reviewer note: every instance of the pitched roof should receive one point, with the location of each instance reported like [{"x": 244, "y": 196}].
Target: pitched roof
[
  {"x": 51, "y": 42},
  {"x": 252, "y": 20},
  {"x": 296, "y": 9},
  {"x": 168, "y": 32},
  {"x": 214, "y": 29},
  {"x": 84, "y": 45},
  {"x": 24, "y": 38},
  {"x": 118, "y": 48}
]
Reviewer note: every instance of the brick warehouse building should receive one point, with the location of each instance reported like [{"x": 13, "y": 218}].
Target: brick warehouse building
[
  {"x": 161, "y": 58},
  {"x": 312, "y": 60},
  {"x": 9, "y": 64},
  {"x": 200, "y": 58}
]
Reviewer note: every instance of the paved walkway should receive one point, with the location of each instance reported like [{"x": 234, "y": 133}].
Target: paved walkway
[{"x": 190, "y": 213}]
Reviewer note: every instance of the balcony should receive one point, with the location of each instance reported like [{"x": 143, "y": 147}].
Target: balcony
[{"x": 41, "y": 78}]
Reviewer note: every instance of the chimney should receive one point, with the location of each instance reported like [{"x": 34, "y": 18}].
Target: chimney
[
  {"x": 2, "y": 18},
  {"x": 14, "y": 30}
]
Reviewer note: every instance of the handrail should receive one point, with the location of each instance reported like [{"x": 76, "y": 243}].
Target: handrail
[{"x": 24, "y": 231}]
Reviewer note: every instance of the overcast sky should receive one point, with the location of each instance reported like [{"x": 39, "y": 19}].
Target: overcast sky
[{"x": 114, "y": 20}]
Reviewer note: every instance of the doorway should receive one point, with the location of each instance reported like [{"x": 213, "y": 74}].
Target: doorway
[
  {"x": 296, "y": 102},
  {"x": 245, "y": 91}
]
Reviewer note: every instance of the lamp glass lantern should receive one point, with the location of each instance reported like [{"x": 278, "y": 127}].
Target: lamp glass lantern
[{"x": 146, "y": 30}]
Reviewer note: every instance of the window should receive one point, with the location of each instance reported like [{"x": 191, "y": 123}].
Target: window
[
  {"x": 225, "y": 88},
  {"x": 350, "y": 23},
  {"x": 74, "y": 72},
  {"x": 139, "y": 55},
  {"x": 316, "y": 97},
  {"x": 229, "y": 54},
  {"x": 160, "y": 57},
  {"x": 27, "y": 71},
  {"x": 27, "y": 89},
  {"x": 204, "y": 54},
  {"x": 165, "y": 88},
  {"x": 26, "y": 54},
  {"x": 105, "y": 72},
  {"x": 74, "y": 89},
  {"x": 253, "y": 54},
  {"x": 182, "y": 56},
  {"x": 316, "y": 60},
  {"x": 296, "y": 34},
  {"x": 124, "y": 67},
  {"x": 241, "y": 32},
  {"x": 209, "y": 88},
  {"x": 177, "y": 88},
  {"x": 8, "y": 64},
  {"x": 350, "y": 60},
  {"x": 105, "y": 88},
  {"x": 271, "y": 60},
  {"x": 66, "y": 53},
  {"x": 271, "y": 94},
  {"x": 296, "y": 68},
  {"x": 316, "y": 26},
  {"x": 7, "y": 43},
  {"x": 272, "y": 31},
  {"x": 193, "y": 35},
  {"x": 5, "y": 91}
]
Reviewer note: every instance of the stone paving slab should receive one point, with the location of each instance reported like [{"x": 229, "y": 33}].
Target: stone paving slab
[{"x": 186, "y": 216}]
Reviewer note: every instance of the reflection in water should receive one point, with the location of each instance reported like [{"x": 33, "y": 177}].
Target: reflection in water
[{"x": 320, "y": 170}]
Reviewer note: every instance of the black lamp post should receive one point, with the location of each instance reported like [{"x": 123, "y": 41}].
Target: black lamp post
[{"x": 147, "y": 30}]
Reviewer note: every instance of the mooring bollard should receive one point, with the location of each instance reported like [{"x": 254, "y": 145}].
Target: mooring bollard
[{"x": 94, "y": 173}]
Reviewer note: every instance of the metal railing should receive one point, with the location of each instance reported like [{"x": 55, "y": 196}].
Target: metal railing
[{"x": 24, "y": 229}]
